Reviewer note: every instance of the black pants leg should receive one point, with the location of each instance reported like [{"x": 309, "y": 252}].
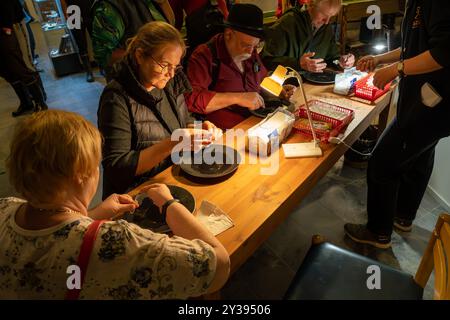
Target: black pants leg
[
  {"x": 414, "y": 184},
  {"x": 80, "y": 36},
  {"x": 12, "y": 65},
  {"x": 398, "y": 174},
  {"x": 32, "y": 41}
]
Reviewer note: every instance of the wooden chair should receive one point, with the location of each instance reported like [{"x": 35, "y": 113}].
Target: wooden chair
[{"x": 330, "y": 272}]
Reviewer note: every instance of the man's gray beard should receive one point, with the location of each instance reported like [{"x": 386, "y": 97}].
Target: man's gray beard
[{"x": 242, "y": 57}]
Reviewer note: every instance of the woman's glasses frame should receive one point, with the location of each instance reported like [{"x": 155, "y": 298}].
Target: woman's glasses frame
[{"x": 166, "y": 67}]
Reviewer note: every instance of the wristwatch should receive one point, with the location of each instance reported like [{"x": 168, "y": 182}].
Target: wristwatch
[
  {"x": 166, "y": 205},
  {"x": 400, "y": 69}
]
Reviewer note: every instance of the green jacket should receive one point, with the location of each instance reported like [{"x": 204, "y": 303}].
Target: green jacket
[
  {"x": 115, "y": 21},
  {"x": 291, "y": 36}
]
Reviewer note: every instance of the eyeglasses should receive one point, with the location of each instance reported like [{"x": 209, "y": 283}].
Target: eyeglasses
[
  {"x": 167, "y": 66},
  {"x": 259, "y": 46}
]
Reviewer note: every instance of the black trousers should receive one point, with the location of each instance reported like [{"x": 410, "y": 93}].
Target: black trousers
[
  {"x": 80, "y": 34},
  {"x": 398, "y": 174},
  {"x": 12, "y": 66}
]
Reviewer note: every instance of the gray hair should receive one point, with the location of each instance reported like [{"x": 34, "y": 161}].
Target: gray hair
[{"x": 334, "y": 3}]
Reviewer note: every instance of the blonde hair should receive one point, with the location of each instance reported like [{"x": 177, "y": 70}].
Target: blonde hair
[
  {"x": 151, "y": 37},
  {"x": 49, "y": 150}
]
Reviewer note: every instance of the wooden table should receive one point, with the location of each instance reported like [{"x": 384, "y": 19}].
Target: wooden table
[{"x": 258, "y": 203}]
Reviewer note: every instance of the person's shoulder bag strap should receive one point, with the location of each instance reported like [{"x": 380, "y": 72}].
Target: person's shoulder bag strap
[
  {"x": 215, "y": 64},
  {"x": 84, "y": 256}
]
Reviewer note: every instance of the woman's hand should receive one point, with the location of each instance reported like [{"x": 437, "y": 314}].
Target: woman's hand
[
  {"x": 367, "y": 63},
  {"x": 113, "y": 207},
  {"x": 385, "y": 75},
  {"x": 347, "y": 61},
  {"x": 158, "y": 193},
  {"x": 287, "y": 92},
  {"x": 210, "y": 127},
  {"x": 192, "y": 138}
]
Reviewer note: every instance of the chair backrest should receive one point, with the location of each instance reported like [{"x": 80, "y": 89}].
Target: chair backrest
[{"x": 437, "y": 257}]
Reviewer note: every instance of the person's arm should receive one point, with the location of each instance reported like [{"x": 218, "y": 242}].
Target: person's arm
[
  {"x": 120, "y": 160},
  {"x": 423, "y": 63},
  {"x": 113, "y": 207},
  {"x": 108, "y": 30},
  {"x": 154, "y": 265},
  {"x": 369, "y": 63},
  {"x": 199, "y": 74},
  {"x": 222, "y": 100},
  {"x": 201, "y": 99},
  {"x": 150, "y": 157},
  {"x": 389, "y": 57},
  {"x": 185, "y": 225},
  {"x": 438, "y": 28}
]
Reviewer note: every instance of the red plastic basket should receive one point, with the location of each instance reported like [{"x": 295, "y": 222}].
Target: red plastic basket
[
  {"x": 342, "y": 117},
  {"x": 366, "y": 90}
]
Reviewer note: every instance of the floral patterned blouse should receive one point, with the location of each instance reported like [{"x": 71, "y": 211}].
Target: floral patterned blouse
[{"x": 127, "y": 262}]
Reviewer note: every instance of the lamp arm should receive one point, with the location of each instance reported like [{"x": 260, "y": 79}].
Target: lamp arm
[{"x": 296, "y": 75}]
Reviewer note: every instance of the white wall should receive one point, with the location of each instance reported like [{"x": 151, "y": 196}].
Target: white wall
[
  {"x": 265, "y": 5},
  {"x": 440, "y": 180}
]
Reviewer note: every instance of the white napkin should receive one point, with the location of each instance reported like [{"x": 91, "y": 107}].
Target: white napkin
[{"x": 213, "y": 218}]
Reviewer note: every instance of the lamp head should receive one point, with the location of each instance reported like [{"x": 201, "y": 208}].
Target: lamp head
[{"x": 274, "y": 83}]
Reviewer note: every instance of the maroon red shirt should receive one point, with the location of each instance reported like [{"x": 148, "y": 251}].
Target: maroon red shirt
[{"x": 229, "y": 79}]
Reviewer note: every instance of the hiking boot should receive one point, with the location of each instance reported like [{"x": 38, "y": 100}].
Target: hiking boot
[
  {"x": 360, "y": 234},
  {"x": 404, "y": 225},
  {"x": 22, "y": 110}
]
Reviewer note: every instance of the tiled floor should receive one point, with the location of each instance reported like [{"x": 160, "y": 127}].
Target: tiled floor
[
  {"x": 67, "y": 93},
  {"x": 338, "y": 198}
]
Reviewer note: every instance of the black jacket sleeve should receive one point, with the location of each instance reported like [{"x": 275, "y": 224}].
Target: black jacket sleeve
[{"x": 438, "y": 28}]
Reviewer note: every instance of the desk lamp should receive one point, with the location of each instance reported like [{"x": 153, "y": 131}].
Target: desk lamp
[{"x": 274, "y": 85}]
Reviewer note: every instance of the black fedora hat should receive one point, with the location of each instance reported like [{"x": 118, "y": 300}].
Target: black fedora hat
[{"x": 246, "y": 18}]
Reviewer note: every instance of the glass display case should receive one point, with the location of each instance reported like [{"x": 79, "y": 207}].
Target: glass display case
[{"x": 62, "y": 48}]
